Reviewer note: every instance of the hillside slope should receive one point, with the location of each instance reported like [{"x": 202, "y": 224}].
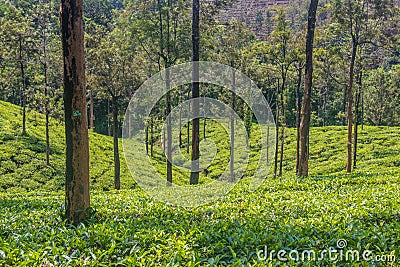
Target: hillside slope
[
  {"x": 23, "y": 168},
  {"x": 129, "y": 228},
  {"x": 22, "y": 158}
]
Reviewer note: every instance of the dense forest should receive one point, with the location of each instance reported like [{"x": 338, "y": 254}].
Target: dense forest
[{"x": 328, "y": 70}]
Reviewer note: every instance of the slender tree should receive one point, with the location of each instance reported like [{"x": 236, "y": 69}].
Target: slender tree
[
  {"x": 77, "y": 198},
  {"x": 355, "y": 18},
  {"x": 44, "y": 21},
  {"x": 194, "y": 175},
  {"x": 306, "y": 107}
]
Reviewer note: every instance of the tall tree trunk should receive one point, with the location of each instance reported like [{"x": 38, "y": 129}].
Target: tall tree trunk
[
  {"x": 356, "y": 115},
  {"x": 283, "y": 125},
  {"x": 350, "y": 105},
  {"x": 306, "y": 107},
  {"x": 324, "y": 105},
  {"x": 23, "y": 91},
  {"x": 298, "y": 118},
  {"x": 47, "y": 136},
  {"x": 77, "y": 197},
  {"x": 194, "y": 175},
  {"x": 188, "y": 125},
  {"x": 108, "y": 117},
  {"x": 147, "y": 138},
  {"x": 180, "y": 126},
  {"x": 46, "y": 101},
  {"x": 204, "y": 119},
  {"x": 267, "y": 161},
  {"x": 151, "y": 136},
  {"x": 164, "y": 143},
  {"x": 169, "y": 130},
  {"x": 276, "y": 131},
  {"x": 117, "y": 164},
  {"x": 362, "y": 110},
  {"x": 91, "y": 110},
  {"x": 47, "y": 108},
  {"x": 232, "y": 118}
]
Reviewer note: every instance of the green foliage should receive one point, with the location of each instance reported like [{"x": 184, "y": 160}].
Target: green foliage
[
  {"x": 22, "y": 158},
  {"x": 382, "y": 96},
  {"x": 128, "y": 228}
]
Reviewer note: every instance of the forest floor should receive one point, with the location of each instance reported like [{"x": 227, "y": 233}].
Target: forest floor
[{"x": 328, "y": 212}]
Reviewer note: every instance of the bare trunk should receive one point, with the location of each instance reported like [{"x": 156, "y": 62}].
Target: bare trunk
[
  {"x": 350, "y": 107},
  {"x": 147, "y": 139},
  {"x": 205, "y": 119},
  {"x": 283, "y": 127},
  {"x": 180, "y": 127},
  {"x": 194, "y": 175},
  {"x": 163, "y": 141},
  {"x": 276, "y": 132},
  {"x": 358, "y": 95},
  {"x": 46, "y": 102},
  {"x": 169, "y": 130},
  {"x": 188, "y": 126},
  {"x": 77, "y": 197},
  {"x": 91, "y": 110},
  {"x": 47, "y": 140},
  {"x": 23, "y": 90},
  {"x": 108, "y": 118},
  {"x": 47, "y": 108},
  {"x": 117, "y": 167},
  {"x": 306, "y": 107},
  {"x": 362, "y": 110},
  {"x": 151, "y": 136},
  {"x": 298, "y": 118},
  {"x": 267, "y": 161},
  {"x": 324, "y": 105},
  {"x": 232, "y": 151}
]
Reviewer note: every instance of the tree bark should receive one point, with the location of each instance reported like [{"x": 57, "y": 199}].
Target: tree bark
[
  {"x": 204, "y": 119},
  {"x": 350, "y": 105},
  {"x": 108, "y": 117},
  {"x": 47, "y": 108},
  {"x": 298, "y": 118},
  {"x": 232, "y": 118},
  {"x": 358, "y": 96},
  {"x": 267, "y": 160},
  {"x": 180, "y": 125},
  {"x": 194, "y": 175},
  {"x": 91, "y": 110},
  {"x": 362, "y": 110},
  {"x": 306, "y": 107},
  {"x": 188, "y": 125},
  {"x": 45, "y": 84},
  {"x": 283, "y": 125},
  {"x": 276, "y": 131},
  {"x": 77, "y": 198},
  {"x": 169, "y": 130},
  {"x": 147, "y": 139},
  {"x": 151, "y": 136},
  {"x": 23, "y": 91},
  {"x": 117, "y": 164}
]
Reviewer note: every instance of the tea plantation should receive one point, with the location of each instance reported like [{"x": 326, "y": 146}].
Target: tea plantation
[{"x": 128, "y": 228}]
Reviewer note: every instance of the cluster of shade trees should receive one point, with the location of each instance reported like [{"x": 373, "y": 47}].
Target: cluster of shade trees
[{"x": 355, "y": 74}]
